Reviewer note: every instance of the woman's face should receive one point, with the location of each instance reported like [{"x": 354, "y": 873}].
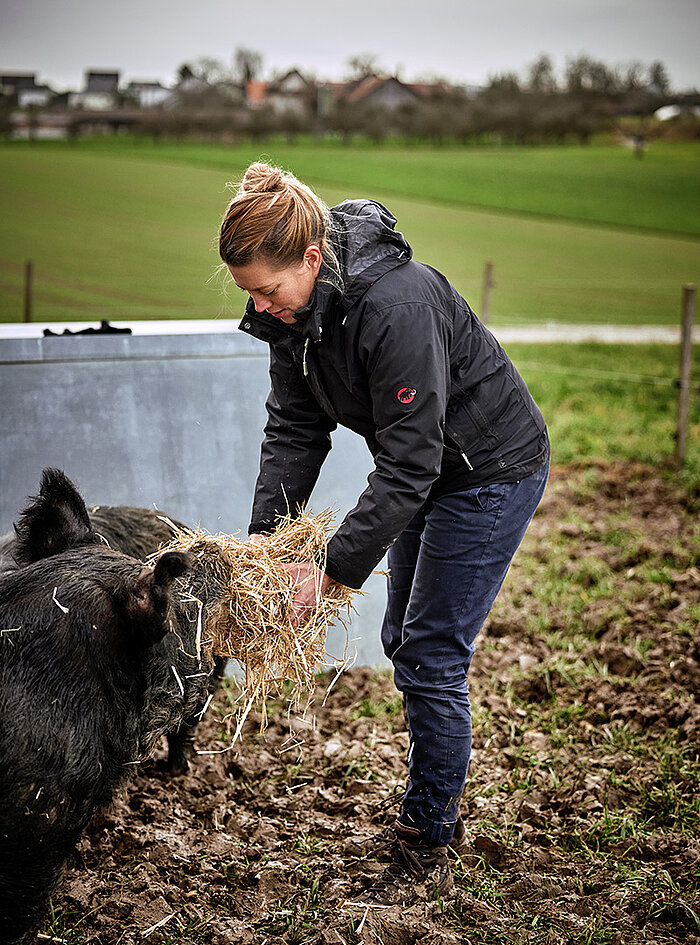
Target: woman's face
[{"x": 281, "y": 292}]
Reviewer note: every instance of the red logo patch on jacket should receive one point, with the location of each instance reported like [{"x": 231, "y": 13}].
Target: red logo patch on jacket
[{"x": 406, "y": 395}]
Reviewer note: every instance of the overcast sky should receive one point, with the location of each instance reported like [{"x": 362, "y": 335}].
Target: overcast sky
[{"x": 462, "y": 40}]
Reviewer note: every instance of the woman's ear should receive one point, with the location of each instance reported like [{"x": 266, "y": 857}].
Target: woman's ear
[{"x": 313, "y": 258}]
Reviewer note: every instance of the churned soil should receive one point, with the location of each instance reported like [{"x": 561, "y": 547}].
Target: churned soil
[{"x": 582, "y": 803}]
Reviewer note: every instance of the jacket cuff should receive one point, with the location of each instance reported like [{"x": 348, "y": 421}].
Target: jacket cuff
[
  {"x": 347, "y": 574},
  {"x": 261, "y": 528}
]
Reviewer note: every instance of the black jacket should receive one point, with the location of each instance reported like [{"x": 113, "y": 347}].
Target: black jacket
[{"x": 400, "y": 358}]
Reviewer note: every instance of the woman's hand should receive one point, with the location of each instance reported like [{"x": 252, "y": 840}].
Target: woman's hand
[{"x": 311, "y": 584}]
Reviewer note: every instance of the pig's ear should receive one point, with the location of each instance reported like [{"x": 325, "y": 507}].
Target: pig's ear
[
  {"x": 171, "y": 565},
  {"x": 148, "y": 596},
  {"x": 54, "y": 520}
]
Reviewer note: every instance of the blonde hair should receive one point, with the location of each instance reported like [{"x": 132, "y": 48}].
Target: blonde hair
[{"x": 274, "y": 217}]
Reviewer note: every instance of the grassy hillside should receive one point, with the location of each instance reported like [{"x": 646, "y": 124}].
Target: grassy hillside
[
  {"x": 599, "y": 184},
  {"x": 126, "y": 230}
]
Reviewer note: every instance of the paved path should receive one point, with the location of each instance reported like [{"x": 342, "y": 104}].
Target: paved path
[
  {"x": 611, "y": 334},
  {"x": 532, "y": 334}
]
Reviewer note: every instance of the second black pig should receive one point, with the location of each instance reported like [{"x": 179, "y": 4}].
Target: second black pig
[
  {"x": 138, "y": 532},
  {"x": 84, "y": 694}
]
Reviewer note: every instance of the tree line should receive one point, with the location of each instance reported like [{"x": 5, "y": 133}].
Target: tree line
[
  {"x": 537, "y": 107},
  {"x": 212, "y": 101}
]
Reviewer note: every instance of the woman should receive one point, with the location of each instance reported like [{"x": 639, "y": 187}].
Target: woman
[{"x": 362, "y": 335}]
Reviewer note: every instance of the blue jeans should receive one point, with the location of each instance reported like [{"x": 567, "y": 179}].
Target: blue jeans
[{"x": 446, "y": 569}]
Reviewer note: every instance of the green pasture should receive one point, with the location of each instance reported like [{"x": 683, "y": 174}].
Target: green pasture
[
  {"x": 611, "y": 402},
  {"x": 126, "y": 230},
  {"x": 603, "y": 183}
]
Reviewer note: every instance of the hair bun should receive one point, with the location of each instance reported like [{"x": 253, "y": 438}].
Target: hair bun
[{"x": 262, "y": 178}]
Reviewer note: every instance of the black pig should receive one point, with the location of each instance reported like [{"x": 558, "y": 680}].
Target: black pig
[
  {"x": 140, "y": 533},
  {"x": 137, "y": 532},
  {"x": 84, "y": 692}
]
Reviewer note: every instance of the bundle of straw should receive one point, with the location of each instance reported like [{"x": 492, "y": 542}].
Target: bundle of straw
[{"x": 245, "y": 604}]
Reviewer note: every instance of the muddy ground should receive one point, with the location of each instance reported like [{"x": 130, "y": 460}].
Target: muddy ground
[{"x": 582, "y": 803}]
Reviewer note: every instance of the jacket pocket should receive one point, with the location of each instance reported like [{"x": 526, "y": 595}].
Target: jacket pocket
[
  {"x": 469, "y": 429},
  {"x": 466, "y": 418}
]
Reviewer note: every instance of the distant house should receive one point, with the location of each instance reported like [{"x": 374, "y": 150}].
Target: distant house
[
  {"x": 100, "y": 93},
  {"x": 39, "y": 97},
  {"x": 291, "y": 92},
  {"x": 148, "y": 94},
  {"x": 388, "y": 92},
  {"x": 24, "y": 86},
  {"x": 428, "y": 90},
  {"x": 256, "y": 93},
  {"x": 669, "y": 112},
  {"x": 384, "y": 91},
  {"x": 42, "y": 126},
  {"x": 12, "y": 82}
]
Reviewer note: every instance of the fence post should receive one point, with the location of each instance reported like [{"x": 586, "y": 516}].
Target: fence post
[
  {"x": 687, "y": 314},
  {"x": 28, "y": 290},
  {"x": 488, "y": 284}
]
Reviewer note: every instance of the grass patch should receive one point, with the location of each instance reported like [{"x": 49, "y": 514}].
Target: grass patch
[
  {"x": 127, "y": 230},
  {"x": 602, "y": 183},
  {"x": 629, "y": 415},
  {"x": 384, "y": 709}
]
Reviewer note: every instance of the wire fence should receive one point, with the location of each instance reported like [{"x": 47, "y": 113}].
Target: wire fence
[{"x": 644, "y": 379}]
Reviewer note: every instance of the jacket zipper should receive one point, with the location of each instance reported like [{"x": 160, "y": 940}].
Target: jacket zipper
[
  {"x": 459, "y": 449},
  {"x": 315, "y": 385}
]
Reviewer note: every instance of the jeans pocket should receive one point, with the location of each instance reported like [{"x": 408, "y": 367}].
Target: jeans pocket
[{"x": 488, "y": 497}]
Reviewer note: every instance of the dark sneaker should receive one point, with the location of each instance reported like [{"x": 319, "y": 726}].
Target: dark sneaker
[
  {"x": 379, "y": 846},
  {"x": 417, "y": 873}
]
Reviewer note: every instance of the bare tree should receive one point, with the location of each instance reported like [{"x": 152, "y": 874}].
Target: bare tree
[
  {"x": 633, "y": 76},
  {"x": 541, "y": 76},
  {"x": 363, "y": 65},
  {"x": 210, "y": 70},
  {"x": 503, "y": 84},
  {"x": 659, "y": 79},
  {"x": 247, "y": 65},
  {"x": 346, "y": 118},
  {"x": 584, "y": 74},
  {"x": 184, "y": 72},
  {"x": 293, "y": 123},
  {"x": 262, "y": 122}
]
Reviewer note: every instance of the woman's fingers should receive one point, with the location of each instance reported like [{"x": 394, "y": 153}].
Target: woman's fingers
[{"x": 311, "y": 583}]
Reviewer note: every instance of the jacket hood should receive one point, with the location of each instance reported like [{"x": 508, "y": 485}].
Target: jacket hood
[{"x": 367, "y": 244}]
